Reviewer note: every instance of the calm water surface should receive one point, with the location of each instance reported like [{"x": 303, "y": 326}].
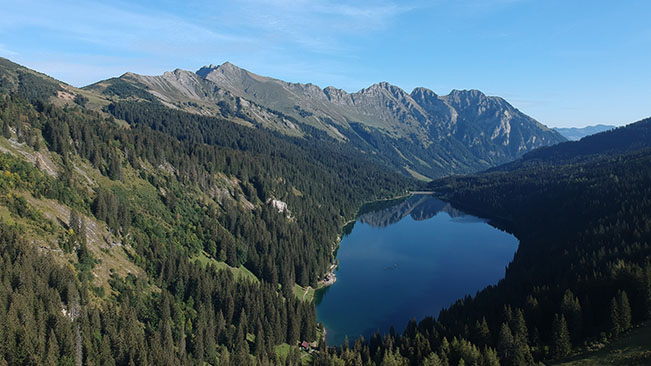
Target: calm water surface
[{"x": 409, "y": 260}]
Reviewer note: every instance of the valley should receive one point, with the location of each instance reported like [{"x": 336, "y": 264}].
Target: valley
[{"x": 190, "y": 219}]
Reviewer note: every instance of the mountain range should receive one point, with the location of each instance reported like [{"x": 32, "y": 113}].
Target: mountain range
[
  {"x": 577, "y": 133},
  {"x": 419, "y": 133}
]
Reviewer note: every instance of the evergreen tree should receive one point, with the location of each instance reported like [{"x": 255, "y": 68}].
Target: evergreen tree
[
  {"x": 519, "y": 326},
  {"x": 293, "y": 331},
  {"x": 240, "y": 349},
  {"x": 259, "y": 348},
  {"x": 481, "y": 333},
  {"x": 505, "y": 343},
  {"x": 571, "y": 309},
  {"x": 560, "y": 341},
  {"x": 393, "y": 359},
  {"x": 614, "y": 322},
  {"x": 624, "y": 311},
  {"x": 432, "y": 360},
  {"x": 646, "y": 290},
  {"x": 6, "y": 132},
  {"x": 490, "y": 357},
  {"x": 52, "y": 358},
  {"x": 521, "y": 353}
]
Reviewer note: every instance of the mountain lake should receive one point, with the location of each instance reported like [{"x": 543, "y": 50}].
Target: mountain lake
[{"x": 407, "y": 259}]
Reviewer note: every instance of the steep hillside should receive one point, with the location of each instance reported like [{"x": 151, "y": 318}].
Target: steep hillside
[{"x": 420, "y": 134}]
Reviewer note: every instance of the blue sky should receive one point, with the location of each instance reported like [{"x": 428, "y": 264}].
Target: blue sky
[{"x": 565, "y": 63}]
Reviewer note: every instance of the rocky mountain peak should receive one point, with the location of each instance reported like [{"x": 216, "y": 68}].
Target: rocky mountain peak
[
  {"x": 467, "y": 94},
  {"x": 423, "y": 95},
  {"x": 384, "y": 88},
  {"x": 335, "y": 95},
  {"x": 383, "y": 85},
  {"x": 205, "y": 70},
  {"x": 420, "y": 91},
  {"x": 177, "y": 73},
  {"x": 475, "y": 100},
  {"x": 129, "y": 75},
  {"x": 225, "y": 68}
]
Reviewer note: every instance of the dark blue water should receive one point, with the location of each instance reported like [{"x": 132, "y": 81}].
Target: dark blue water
[{"x": 408, "y": 261}]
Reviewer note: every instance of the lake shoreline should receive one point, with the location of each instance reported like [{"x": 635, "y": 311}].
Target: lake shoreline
[
  {"x": 329, "y": 278},
  {"x": 379, "y": 260}
]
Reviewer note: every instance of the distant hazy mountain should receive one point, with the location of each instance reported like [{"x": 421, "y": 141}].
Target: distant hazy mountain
[
  {"x": 621, "y": 140},
  {"x": 419, "y": 133},
  {"x": 575, "y": 133}
]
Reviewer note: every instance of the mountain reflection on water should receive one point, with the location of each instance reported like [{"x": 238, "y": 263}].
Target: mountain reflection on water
[
  {"x": 408, "y": 258},
  {"x": 419, "y": 207}
]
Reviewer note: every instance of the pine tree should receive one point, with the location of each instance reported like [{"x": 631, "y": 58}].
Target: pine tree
[
  {"x": 624, "y": 310},
  {"x": 240, "y": 349},
  {"x": 521, "y": 352},
  {"x": 614, "y": 319},
  {"x": 259, "y": 348},
  {"x": 571, "y": 309},
  {"x": 561, "y": 345},
  {"x": 505, "y": 343},
  {"x": 444, "y": 351},
  {"x": 393, "y": 359},
  {"x": 6, "y": 132},
  {"x": 52, "y": 350},
  {"x": 432, "y": 360},
  {"x": 646, "y": 290},
  {"x": 519, "y": 326},
  {"x": 293, "y": 331},
  {"x": 224, "y": 358},
  {"x": 490, "y": 357},
  {"x": 481, "y": 333}
]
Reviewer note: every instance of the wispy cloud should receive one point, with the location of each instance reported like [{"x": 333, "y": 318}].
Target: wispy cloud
[
  {"x": 115, "y": 26},
  {"x": 4, "y": 51},
  {"x": 316, "y": 26},
  {"x": 530, "y": 48},
  {"x": 201, "y": 31}
]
